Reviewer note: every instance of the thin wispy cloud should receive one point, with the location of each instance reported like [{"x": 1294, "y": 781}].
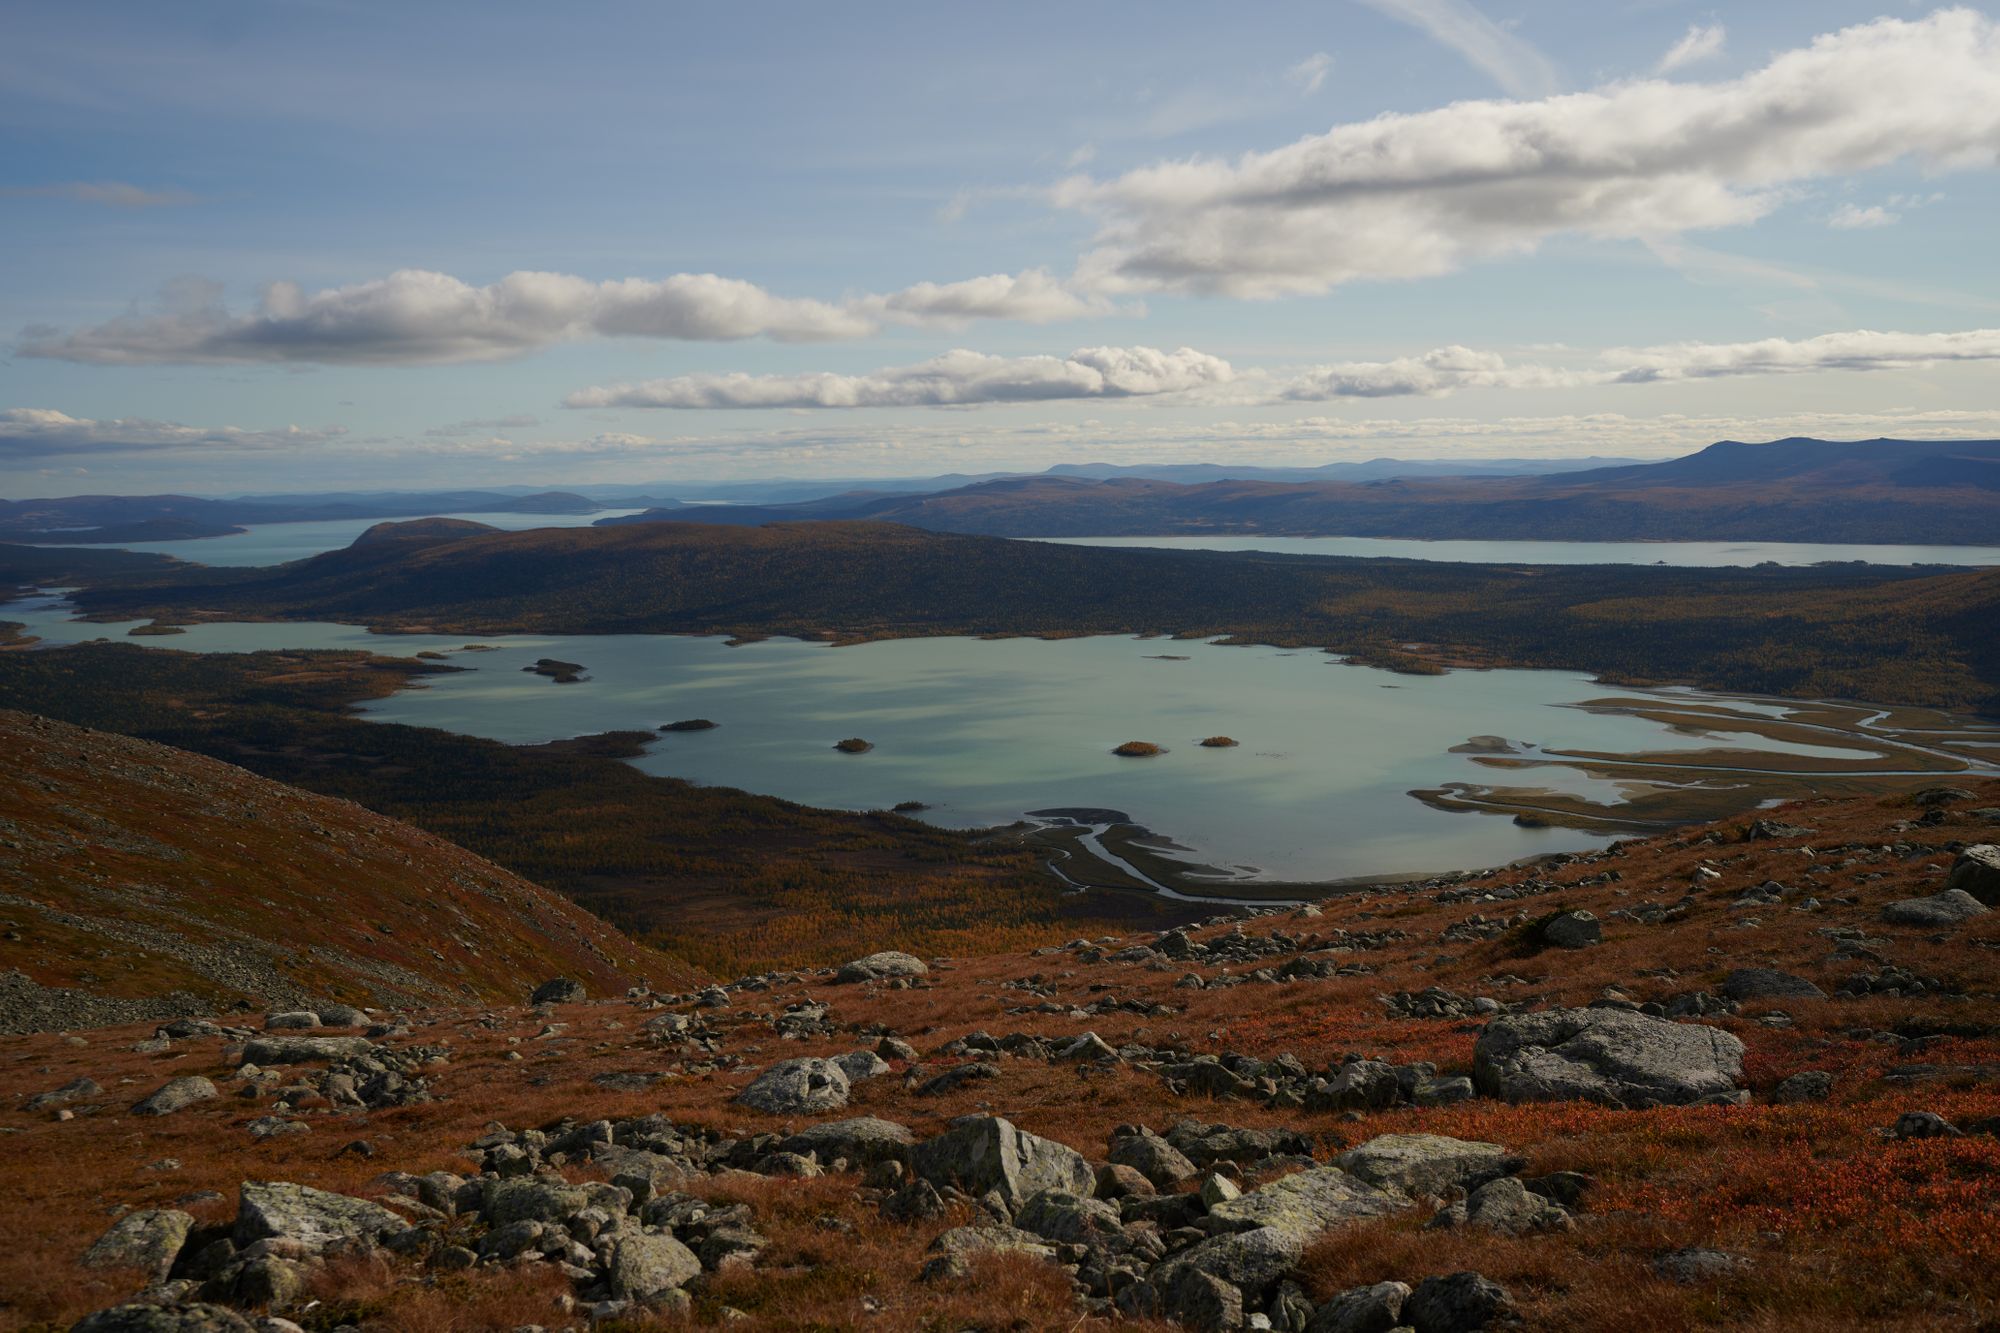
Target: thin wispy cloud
[
  {"x": 1856, "y": 217},
  {"x": 1310, "y": 74},
  {"x": 1516, "y": 65},
  {"x": 108, "y": 194},
  {"x": 36, "y": 433},
  {"x": 1702, "y": 42}
]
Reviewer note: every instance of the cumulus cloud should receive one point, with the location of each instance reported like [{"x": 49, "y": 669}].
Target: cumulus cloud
[
  {"x": 1859, "y": 349},
  {"x": 1509, "y": 61},
  {"x": 1702, "y": 42},
  {"x": 415, "y": 317},
  {"x": 110, "y": 194},
  {"x": 1408, "y": 196},
  {"x": 1035, "y": 297},
  {"x": 34, "y": 432},
  {"x": 956, "y": 379},
  {"x": 1441, "y": 371}
]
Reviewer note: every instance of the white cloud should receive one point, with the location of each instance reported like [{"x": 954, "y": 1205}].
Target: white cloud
[
  {"x": 1309, "y": 74},
  {"x": 415, "y": 316},
  {"x": 1407, "y": 196},
  {"x": 34, "y": 432},
  {"x": 1702, "y": 42},
  {"x": 1436, "y": 373},
  {"x": 1509, "y": 61},
  {"x": 1859, "y": 349},
  {"x": 1853, "y": 217},
  {"x": 483, "y": 425},
  {"x": 111, "y": 194},
  {"x": 1034, "y": 296},
  {"x": 957, "y": 378}
]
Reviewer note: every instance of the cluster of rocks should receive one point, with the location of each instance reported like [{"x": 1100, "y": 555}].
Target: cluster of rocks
[
  {"x": 1163, "y": 1228},
  {"x": 1437, "y": 1002},
  {"x": 631, "y": 1242}
]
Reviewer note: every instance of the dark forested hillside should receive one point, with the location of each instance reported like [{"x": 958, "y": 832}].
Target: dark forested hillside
[{"x": 1867, "y": 632}]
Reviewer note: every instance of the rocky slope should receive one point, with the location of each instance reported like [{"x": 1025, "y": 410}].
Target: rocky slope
[
  {"x": 1741, "y": 1076},
  {"x": 141, "y": 881}
]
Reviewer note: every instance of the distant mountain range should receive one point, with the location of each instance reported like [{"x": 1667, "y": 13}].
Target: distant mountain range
[
  {"x": 1889, "y": 491},
  {"x": 160, "y": 518}
]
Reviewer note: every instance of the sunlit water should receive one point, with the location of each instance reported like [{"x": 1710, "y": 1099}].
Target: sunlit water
[
  {"x": 983, "y": 731},
  {"x": 276, "y": 543},
  {"x": 1688, "y": 554}
]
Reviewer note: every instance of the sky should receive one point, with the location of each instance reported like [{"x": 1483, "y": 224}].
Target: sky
[{"x": 314, "y": 244}]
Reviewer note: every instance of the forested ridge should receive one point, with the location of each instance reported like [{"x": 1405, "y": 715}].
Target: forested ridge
[{"x": 1916, "y": 636}]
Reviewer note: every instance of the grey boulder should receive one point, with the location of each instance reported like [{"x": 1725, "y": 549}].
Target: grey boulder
[
  {"x": 879, "y": 966},
  {"x": 1460, "y": 1303},
  {"x": 1423, "y": 1165},
  {"x": 176, "y": 1095},
  {"x": 148, "y": 1239},
  {"x": 1572, "y": 930},
  {"x": 952, "y": 1253},
  {"x": 646, "y": 1266},
  {"x": 986, "y": 1154},
  {"x": 1767, "y": 983},
  {"x": 1151, "y": 1156},
  {"x": 863, "y": 1141},
  {"x": 1305, "y": 1204},
  {"x": 558, "y": 990},
  {"x": 804, "y": 1086},
  {"x": 1977, "y": 872},
  {"x": 1612, "y": 1056},
  {"x": 1371, "y": 1309},
  {"x": 304, "y": 1050},
  {"x": 1939, "y": 910},
  {"x": 311, "y": 1219}
]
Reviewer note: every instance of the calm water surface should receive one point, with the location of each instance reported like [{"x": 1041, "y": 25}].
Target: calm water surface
[
  {"x": 1692, "y": 554},
  {"x": 983, "y": 730}
]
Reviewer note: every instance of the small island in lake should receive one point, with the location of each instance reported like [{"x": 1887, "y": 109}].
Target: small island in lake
[
  {"x": 141, "y": 630},
  {"x": 853, "y": 745},
  {"x": 562, "y": 673},
  {"x": 1217, "y": 742},
  {"x": 1138, "y": 750},
  {"x": 690, "y": 724},
  {"x": 908, "y": 807}
]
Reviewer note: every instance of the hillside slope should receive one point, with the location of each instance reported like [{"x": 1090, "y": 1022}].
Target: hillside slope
[
  {"x": 1794, "y": 1129},
  {"x": 137, "y": 880}
]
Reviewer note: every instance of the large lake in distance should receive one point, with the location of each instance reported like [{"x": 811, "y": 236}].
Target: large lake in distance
[
  {"x": 275, "y": 543},
  {"x": 983, "y": 731}
]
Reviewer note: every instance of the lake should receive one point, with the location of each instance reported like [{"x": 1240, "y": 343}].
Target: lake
[
  {"x": 276, "y": 543},
  {"x": 984, "y": 731},
  {"x": 1690, "y": 554}
]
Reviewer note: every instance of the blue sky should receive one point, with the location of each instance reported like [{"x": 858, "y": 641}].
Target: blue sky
[{"x": 1621, "y": 228}]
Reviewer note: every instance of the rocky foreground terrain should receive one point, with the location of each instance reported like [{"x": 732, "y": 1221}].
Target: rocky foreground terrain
[{"x": 1744, "y": 1076}]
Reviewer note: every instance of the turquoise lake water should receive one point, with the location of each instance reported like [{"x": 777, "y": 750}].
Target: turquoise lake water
[{"x": 986, "y": 730}]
